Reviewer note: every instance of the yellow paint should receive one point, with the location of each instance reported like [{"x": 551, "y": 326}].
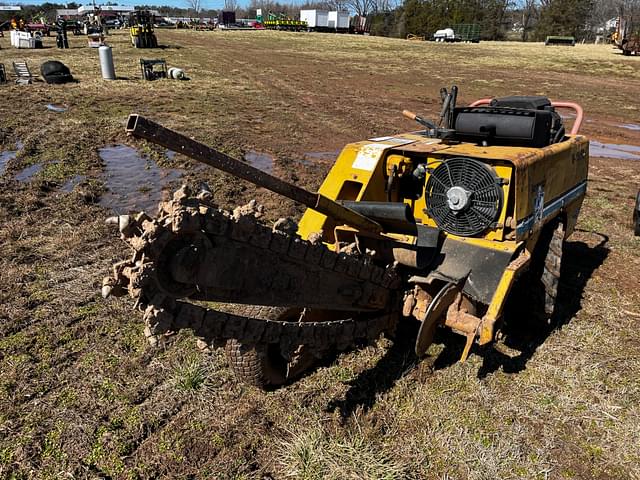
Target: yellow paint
[
  {"x": 363, "y": 168},
  {"x": 367, "y": 165},
  {"x": 494, "y": 312}
]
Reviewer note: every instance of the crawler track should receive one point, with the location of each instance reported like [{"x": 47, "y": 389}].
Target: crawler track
[{"x": 194, "y": 253}]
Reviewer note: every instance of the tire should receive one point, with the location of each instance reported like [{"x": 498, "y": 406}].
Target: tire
[
  {"x": 263, "y": 365},
  {"x": 545, "y": 273}
]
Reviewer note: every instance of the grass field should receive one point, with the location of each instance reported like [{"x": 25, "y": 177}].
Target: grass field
[{"x": 83, "y": 396}]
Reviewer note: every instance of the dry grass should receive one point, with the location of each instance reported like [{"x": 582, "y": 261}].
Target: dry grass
[{"x": 81, "y": 394}]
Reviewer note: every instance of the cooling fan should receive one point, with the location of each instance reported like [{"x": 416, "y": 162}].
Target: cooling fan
[{"x": 464, "y": 196}]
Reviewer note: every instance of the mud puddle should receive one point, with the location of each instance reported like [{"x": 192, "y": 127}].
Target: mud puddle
[
  {"x": 8, "y": 155},
  {"x": 134, "y": 183},
  {"x": 262, "y": 161},
  {"x": 613, "y": 150},
  {"x": 72, "y": 183},
  {"x": 26, "y": 174},
  {"x": 320, "y": 157}
]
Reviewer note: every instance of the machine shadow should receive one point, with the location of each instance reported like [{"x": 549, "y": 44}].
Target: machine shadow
[
  {"x": 396, "y": 362},
  {"x": 521, "y": 332},
  {"x": 524, "y": 333}
]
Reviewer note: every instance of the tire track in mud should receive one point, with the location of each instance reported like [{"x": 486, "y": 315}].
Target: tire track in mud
[{"x": 340, "y": 109}]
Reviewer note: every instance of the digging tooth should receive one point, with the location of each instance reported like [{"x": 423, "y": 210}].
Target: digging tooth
[{"x": 185, "y": 215}]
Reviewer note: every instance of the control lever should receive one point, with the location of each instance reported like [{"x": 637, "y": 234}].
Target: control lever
[{"x": 433, "y": 130}]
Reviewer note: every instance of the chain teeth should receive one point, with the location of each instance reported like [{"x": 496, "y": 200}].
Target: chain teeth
[{"x": 164, "y": 314}]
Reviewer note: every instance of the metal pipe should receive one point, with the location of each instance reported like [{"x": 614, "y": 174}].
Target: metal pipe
[{"x": 142, "y": 127}]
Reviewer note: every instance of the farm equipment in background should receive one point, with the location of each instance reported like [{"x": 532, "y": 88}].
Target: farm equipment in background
[
  {"x": 141, "y": 29},
  {"x": 281, "y": 21},
  {"x": 445, "y": 35},
  {"x": 69, "y": 25},
  {"x": 558, "y": 40},
  {"x": 153, "y": 69},
  {"x": 430, "y": 228},
  {"x": 360, "y": 25},
  {"x": 627, "y": 34},
  {"x": 462, "y": 32},
  {"x": 227, "y": 18},
  {"x": 467, "y": 32}
]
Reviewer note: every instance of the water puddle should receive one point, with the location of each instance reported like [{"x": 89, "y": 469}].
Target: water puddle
[
  {"x": 57, "y": 108},
  {"x": 72, "y": 183},
  {"x": 26, "y": 174},
  {"x": 613, "y": 150},
  {"x": 323, "y": 157},
  {"x": 9, "y": 155},
  {"x": 134, "y": 183},
  {"x": 631, "y": 126},
  {"x": 262, "y": 161}
]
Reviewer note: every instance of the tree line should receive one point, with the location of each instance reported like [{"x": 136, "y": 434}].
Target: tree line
[{"x": 498, "y": 19}]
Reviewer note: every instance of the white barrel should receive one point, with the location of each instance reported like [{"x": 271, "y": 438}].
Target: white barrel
[
  {"x": 175, "y": 73},
  {"x": 106, "y": 63}
]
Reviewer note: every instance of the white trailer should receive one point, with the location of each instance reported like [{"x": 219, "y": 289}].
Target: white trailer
[
  {"x": 316, "y": 19},
  {"x": 338, "y": 20}
]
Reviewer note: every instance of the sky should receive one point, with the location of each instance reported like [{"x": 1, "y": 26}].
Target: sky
[{"x": 206, "y": 4}]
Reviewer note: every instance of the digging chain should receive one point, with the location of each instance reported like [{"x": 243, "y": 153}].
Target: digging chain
[{"x": 168, "y": 304}]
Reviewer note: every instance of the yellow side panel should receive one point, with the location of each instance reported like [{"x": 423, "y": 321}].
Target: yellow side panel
[
  {"x": 358, "y": 163},
  {"x": 550, "y": 173}
]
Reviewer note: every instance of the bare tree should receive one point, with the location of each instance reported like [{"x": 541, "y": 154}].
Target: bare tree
[
  {"x": 529, "y": 12},
  {"x": 230, "y": 5},
  {"x": 195, "y": 5},
  {"x": 361, "y": 7},
  {"x": 381, "y": 6},
  {"x": 601, "y": 12},
  {"x": 339, "y": 5}
]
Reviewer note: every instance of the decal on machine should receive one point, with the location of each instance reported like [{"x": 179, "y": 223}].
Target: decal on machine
[
  {"x": 538, "y": 204},
  {"x": 368, "y": 156},
  {"x": 527, "y": 223}
]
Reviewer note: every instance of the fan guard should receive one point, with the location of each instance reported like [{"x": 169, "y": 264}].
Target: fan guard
[{"x": 463, "y": 196}]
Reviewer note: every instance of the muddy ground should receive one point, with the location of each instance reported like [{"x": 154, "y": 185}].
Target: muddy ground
[{"x": 83, "y": 396}]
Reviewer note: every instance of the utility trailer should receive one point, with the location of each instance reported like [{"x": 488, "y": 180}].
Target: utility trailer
[
  {"x": 360, "y": 25},
  {"x": 338, "y": 21},
  {"x": 467, "y": 32},
  {"x": 316, "y": 19}
]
